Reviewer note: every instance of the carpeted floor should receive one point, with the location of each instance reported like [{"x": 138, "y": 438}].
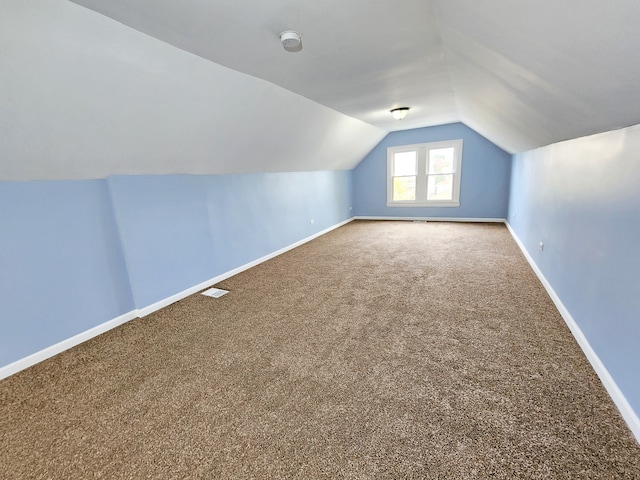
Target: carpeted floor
[{"x": 380, "y": 350}]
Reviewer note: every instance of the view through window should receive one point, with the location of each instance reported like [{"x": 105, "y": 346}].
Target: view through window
[{"x": 426, "y": 174}]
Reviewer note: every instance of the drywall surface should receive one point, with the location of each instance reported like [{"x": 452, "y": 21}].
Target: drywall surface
[
  {"x": 527, "y": 74},
  {"x": 162, "y": 222},
  {"x": 77, "y": 254},
  {"x": 62, "y": 270},
  {"x": 253, "y": 215},
  {"x": 581, "y": 198},
  {"x": 180, "y": 230},
  {"x": 84, "y": 97},
  {"x": 484, "y": 185}
]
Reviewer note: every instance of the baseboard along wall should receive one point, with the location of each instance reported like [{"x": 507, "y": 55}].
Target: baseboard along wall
[
  {"x": 63, "y": 345},
  {"x": 433, "y": 219},
  {"x": 627, "y": 412},
  {"x": 60, "y": 347}
]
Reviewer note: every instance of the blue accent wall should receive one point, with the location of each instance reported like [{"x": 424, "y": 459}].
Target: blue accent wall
[
  {"x": 484, "y": 184},
  {"x": 76, "y": 254},
  {"x": 581, "y": 198},
  {"x": 253, "y": 215},
  {"x": 180, "y": 230},
  {"x": 61, "y": 266},
  {"x": 163, "y": 224}
]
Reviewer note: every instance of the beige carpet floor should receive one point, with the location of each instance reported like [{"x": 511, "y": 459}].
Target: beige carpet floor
[{"x": 380, "y": 350}]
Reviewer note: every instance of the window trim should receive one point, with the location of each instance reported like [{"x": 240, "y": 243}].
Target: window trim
[{"x": 422, "y": 150}]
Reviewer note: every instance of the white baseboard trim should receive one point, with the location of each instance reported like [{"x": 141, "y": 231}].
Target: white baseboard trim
[
  {"x": 629, "y": 415},
  {"x": 142, "y": 312},
  {"x": 432, "y": 219},
  {"x": 59, "y": 347},
  {"x": 632, "y": 419},
  {"x": 208, "y": 283}
]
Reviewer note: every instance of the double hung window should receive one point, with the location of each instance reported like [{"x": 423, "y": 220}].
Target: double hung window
[{"x": 424, "y": 175}]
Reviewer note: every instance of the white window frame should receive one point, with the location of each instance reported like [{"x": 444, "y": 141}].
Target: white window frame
[{"x": 422, "y": 151}]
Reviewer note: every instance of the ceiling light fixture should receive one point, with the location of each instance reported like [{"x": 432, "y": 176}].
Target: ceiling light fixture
[
  {"x": 400, "y": 113},
  {"x": 291, "y": 40}
]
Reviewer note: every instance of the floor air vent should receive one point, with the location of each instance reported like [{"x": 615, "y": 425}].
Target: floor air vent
[{"x": 215, "y": 292}]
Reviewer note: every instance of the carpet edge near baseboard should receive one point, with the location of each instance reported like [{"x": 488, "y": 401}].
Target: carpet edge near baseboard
[
  {"x": 624, "y": 407},
  {"x": 55, "y": 349}
]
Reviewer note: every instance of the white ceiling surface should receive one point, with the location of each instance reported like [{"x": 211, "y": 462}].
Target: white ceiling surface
[
  {"x": 527, "y": 74},
  {"x": 83, "y": 96},
  {"x": 524, "y": 74},
  {"x": 359, "y": 57}
]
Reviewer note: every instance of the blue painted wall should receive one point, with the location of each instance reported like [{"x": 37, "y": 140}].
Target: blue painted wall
[
  {"x": 163, "y": 224},
  {"x": 75, "y": 254},
  {"x": 180, "y": 230},
  {"x": 582, "y": 199},
  {"x": 484, "y": 185},
  {"x": 61, "y": 265},
  {"x": 253, "y": 215}
]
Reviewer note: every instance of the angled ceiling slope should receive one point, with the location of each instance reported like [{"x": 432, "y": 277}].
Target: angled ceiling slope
[
  {"x": 83, "y": 96},
  {"x": 527, "y": 74},
  {"x": 524, "y": 74},
  {"x": 361, "y": 58}
]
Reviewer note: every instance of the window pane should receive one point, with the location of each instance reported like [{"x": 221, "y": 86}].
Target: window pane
[
  {"x": 440, "y": 187},
  {"x": 404, "y": 188},
  {"x": 441, "y": 160},
  {"x": 404, "y": 163}
]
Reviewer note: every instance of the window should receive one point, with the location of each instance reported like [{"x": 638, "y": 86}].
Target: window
[{"x": 424, "y": 175}]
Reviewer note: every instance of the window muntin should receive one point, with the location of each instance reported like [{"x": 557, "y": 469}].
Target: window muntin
[{"x": 426, "y": 174}]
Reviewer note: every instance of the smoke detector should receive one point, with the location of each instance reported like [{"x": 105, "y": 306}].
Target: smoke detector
[{"x": 291, "y": 40}]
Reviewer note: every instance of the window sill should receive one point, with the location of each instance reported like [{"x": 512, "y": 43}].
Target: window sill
[{"x": 429, "y": 204}]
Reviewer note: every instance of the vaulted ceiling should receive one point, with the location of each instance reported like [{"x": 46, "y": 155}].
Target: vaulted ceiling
[
  {"x": 524, "y": 73},
  {"x": 202, "y": 86}
]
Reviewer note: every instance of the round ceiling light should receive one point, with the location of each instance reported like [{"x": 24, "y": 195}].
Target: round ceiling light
[
  {"x": 291, "y": 40},
  {"x": 400, "y": 113}
]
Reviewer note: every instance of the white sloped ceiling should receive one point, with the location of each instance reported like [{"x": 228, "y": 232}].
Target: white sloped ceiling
[
  {"x": 524, "y": 74},
  {"x": 359, "y": 57},
  {"x": 165, "y": 86},
  {"x": 83, "y": 96},
  {"x": 527, "y": 74}
]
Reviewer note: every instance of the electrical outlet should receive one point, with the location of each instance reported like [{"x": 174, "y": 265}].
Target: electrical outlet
[
  {"x": 312, "y": 221},
  {"x": 540, "y": 246}
]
